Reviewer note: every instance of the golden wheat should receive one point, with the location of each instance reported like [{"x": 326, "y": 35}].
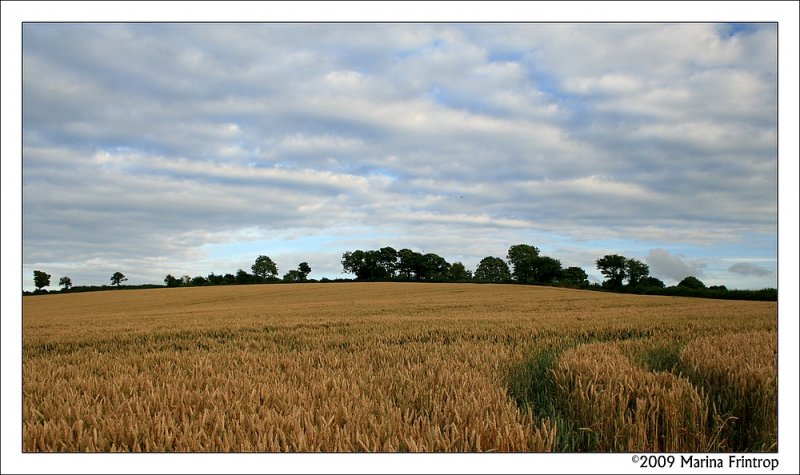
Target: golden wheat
[
  {"x": 628, "y": 408},
  {"x": 741, "y": 370},
  {"x": 319, "y": 367}
]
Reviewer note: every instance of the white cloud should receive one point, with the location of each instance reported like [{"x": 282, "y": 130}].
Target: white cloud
[
  {"x": 143, "y": 141},
  {"x": 666, "y": 265},
  {"x": 749, "y": 269}
]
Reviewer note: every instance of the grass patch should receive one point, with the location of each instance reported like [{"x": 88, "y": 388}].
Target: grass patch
[
  {"x": 532, "y": 386},
  {"x": 661, "y": 358}
]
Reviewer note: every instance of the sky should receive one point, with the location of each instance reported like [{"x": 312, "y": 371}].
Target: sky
[{"x": 186, "y": 149}]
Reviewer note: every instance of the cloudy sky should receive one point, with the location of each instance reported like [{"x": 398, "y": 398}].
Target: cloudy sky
[{"x": 193, "y": 148}]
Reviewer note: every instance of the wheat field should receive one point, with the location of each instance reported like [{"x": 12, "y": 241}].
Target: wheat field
[{"x": 394, "y": 367}]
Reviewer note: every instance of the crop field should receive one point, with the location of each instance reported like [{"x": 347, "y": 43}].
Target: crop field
[{"x": 388, "y": 367}]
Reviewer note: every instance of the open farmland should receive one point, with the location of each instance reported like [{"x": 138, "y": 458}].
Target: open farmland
[{"x": 396, "y": 367}]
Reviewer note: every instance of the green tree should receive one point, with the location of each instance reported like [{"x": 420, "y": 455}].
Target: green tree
[
  {"x": 371, "y": 265},
  {"x": 433, "y": 267},
  {"x": 575, "y": 277},
  {"x": 692, "y": 283},
  {"x": 41, "y": 279},
  {"x": 459, "y": 273},
  {"x": 242, "y": 277},
  {"x": 355, "y": 262},
  {"x": 544, "y": 270},
  {"x": 613, "y": 266},
  {"x": 650, "y": 282},
  {"x": 299, "y": 275},
  {"x": 408, "y": 262},
  {"x": 635, "y": 270},
  {"x": 387, "y": 260},
  {"x": 492, "y": 269},
  {"x": 304, "y": 269},
  {"x": 215, "y": 279},
  {"x": 171, "y": 281},
  {"x": 118, "y": 278},
  {"x": 294, "y": 276},
  {"x": 522, "y": 258},
  {"x": 264, "y": 268},
  {"x": 65, "y": 282}
]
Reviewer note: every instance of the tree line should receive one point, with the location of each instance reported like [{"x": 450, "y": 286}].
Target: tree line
[
  {"x": 42, "y": 279},
  {"x": 264, "y": 270},
  {"x": 523, "y": 264}
]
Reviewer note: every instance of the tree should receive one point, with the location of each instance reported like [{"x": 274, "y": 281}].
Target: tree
[
  {"x": 613, "y": 267},
  {"x": 371, "y": 265},
  {"x": 304, "y": 269},
  {"x": 522, "y": 257},
  {"x": 118, "y": 278},
  {"x": 294, "y": 276},
  {"x": 575, "y": 276},
  {"x": 459, "y": 273},
  {"x": 171, "y": 281},
  {"x": 387, "y": 260},
  {"x": 635, "y": 270},
  {"x": 650, "y": 282},
  {"x": 544, "y": 270},
  {"x": 41, "y": 279},
  {"x": 264, "y": 268},
  {"x": 199, "y": 280},
  {"x": 355, "y": 263},
  {"x": 299, "y": 275},
  {"x": 65, "y": 282},
  {"x": 492, "y": 269},
  {"x": 215, "y": 279},
  {"x": 434, "y": 267},
  {"x": 692, "y": 283},
  {"x": 186, "y": 280},
  {"x": 242, "y": 277},
  {"x": 408, "y": 262}
]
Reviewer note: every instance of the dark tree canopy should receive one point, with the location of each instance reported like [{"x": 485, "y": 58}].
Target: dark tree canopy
[
  {"x": 544, "y": 270},
  {"x": 692, "y": 283},
  {"x": 357, "y": 263},
  {"x": 522, "y": 258},
  {"x": 298, "y": 275},
  {"x": 65, "y": 282},
  {"x": 635, "y": 271},
  {"x": 387, "y": 261},
  {"x": 293, "y": 276},
  {"x": 41, "y": 279},
  {"x": 459, "y": 273},
  {"x": 242, "y": 277},
  {"x": 492, "y": 269},
  {"x": 388, "y": 264},
  {"x": 118, "y": 278},
  {"x": 651, "y": 282},
  {"x": 575, "y": 276},
  {"x": 171, "y": 281},
  {"x": 304, "y": 269},
  {"x": 613, "y": 266},
  {"x": 435, "y": 267},
  {"x": 264, "y": 268},
  {"x": 407, "y": 263}
]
